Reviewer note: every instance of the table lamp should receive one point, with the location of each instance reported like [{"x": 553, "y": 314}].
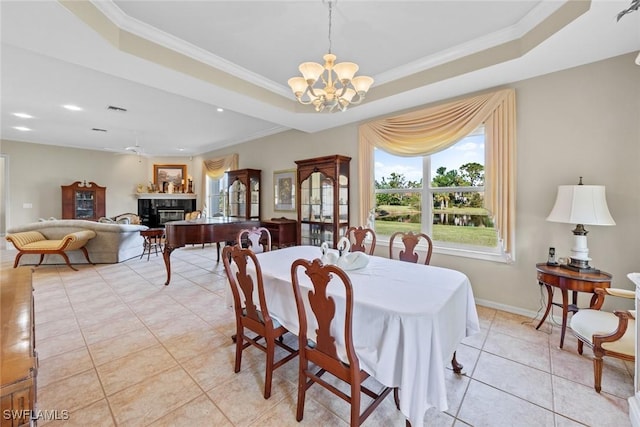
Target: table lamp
[{"x": 581, "y": 204}]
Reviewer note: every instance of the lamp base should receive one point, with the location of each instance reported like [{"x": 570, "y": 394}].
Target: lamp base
[{"x": 580, "y": 266}]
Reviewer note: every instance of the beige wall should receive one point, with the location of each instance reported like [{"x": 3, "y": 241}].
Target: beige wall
[{"x": 578, "y": 122}]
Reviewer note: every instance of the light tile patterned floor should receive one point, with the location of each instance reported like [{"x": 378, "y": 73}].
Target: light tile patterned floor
[{"x": 116, "y": 347}]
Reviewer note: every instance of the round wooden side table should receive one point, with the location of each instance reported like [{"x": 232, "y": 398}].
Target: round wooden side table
[{"x": 568, "y": 280}]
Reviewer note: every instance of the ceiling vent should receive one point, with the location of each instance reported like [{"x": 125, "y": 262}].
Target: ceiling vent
[
  {"x": 98, "y": 130},
  {"x": 118, "y": 109}
]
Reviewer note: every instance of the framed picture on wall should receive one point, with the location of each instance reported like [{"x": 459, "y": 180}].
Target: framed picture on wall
[
  {"x": 175, "y": 174},
  {"x": 284, "y": 194}
]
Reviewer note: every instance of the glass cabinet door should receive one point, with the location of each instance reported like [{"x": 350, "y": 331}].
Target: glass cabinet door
[
  {"x": 254, "y": 185},
  {"x": 84, "y": 202},
  {"x": 237, "y": 198}
]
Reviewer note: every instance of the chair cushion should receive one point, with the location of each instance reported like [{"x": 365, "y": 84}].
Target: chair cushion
[
  {"x": 274, "y": 321},
  {"x": 586, "y": 323}
]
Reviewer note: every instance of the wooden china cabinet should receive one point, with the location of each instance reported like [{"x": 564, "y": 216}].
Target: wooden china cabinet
[
  {"x": 83, "y": 201},
  {"x": 323, "y": 202},
  {"x": 243, "y": 194}
]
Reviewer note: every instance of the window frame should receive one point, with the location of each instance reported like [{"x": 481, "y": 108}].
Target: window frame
[{"x": 426, "y": 219}]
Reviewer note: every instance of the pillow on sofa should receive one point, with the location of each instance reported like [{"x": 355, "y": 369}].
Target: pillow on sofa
[
  {"x": 106, "y": 220},
  {"x": 127, "y": 218}
]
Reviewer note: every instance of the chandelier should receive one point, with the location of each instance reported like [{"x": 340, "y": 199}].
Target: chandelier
[{"x": 337, "y": 88}]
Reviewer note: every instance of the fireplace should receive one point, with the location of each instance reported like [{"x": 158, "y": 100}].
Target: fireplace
[
  {"x": 156, "y": 209},
  {"x": 166, "y": 214}
]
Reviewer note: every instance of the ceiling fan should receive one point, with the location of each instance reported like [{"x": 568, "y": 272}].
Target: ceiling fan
[{"x": 135, "y": 149}]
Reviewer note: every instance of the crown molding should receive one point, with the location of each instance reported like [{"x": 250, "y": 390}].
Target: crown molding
[{"x": 148, "y": 32}]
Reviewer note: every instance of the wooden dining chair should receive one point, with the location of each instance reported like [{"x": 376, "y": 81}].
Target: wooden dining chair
[
  {"x": 254, "y": 238},
  {"x": 251, "y": 316},
  {"x": 320, "y": 349},
  {"x": 410, "y": 241},
  {"x": 362, "y": 239}
]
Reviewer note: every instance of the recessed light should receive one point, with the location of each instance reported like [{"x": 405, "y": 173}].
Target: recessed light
[
  {"x": 180, "y": 149},
  {"x": 219, "y": 110},
  {"x": 72, "y": 107},
  {"x": 23, "y": 115},
  {"x": 22, "y": 128}
]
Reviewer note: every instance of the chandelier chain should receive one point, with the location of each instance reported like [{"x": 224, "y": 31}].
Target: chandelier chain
[{"x": 330, "y": 9}]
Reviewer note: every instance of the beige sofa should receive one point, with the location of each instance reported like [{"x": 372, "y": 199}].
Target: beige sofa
[{"x": 113, "y": 242}]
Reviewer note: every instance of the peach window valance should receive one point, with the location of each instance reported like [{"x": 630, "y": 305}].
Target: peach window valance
[
  {"x": 215, "y": 168},
  {"x": 433, "y": 129}
]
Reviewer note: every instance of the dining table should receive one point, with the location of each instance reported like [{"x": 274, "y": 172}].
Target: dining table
[{"x": 408, "y": 320}]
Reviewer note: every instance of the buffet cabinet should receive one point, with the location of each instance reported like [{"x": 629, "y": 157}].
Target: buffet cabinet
[
  {"x": 243, "y": 194},
  {"x": 283, "y": 231},
  {"x": 323, "y": 202},
  {"x": 83, "y": 201},
  {"x": 18, "y": 361}
]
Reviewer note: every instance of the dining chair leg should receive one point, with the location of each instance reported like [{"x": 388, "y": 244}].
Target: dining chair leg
[
  {"x": 597, "y": 373},
  {"x": 239, "y": 345},
  {"x": 355, "y": 403},
  {"x": 302, "y": 389},
  {"x": 580, "y": 347},
  {"x": 269, "y": 368},
  {"x": 396, "y": 398}
]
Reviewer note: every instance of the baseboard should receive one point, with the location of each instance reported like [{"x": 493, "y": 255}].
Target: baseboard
[{"x": 520, "y": 311}]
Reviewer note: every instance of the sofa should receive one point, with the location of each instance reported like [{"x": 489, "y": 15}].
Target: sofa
[{"x": 113, "y": 242}]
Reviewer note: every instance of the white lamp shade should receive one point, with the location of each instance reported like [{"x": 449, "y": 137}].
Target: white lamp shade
[
  {"x": 311, "y": 71},
  {"x": 581, "y": 204},
  {"x": 345, "y": 70},
  {"x": 362, "y": 83},
  {"x": 297, "y": 84}
]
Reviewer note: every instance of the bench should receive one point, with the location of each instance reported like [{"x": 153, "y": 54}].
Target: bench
[{"x": 34, "y": 242}]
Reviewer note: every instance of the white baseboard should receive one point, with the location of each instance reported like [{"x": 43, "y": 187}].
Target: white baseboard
[{"x": 521, "y": 311}]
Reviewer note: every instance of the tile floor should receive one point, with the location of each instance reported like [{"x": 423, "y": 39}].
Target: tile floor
[{"x": 116, "y": 347}]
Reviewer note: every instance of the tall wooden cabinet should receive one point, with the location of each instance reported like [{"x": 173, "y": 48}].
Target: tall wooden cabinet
[
  {"x": 83, "y": 201},
  {"x": 243, "y": 194},
  {"x": 323, "y": 199}
]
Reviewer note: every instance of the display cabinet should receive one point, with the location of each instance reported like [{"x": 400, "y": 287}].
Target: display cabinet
[
  {"x": 243, "y": 194},
  {"x": 83, "y": 201},
  {"x": 323, "y": 202}
]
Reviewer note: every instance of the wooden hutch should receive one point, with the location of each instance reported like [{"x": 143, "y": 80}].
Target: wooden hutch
[{"x": 83, "y": 201}]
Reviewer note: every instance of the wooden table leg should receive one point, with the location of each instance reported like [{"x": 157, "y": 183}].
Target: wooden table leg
[
  {"x": 549, "y": 304},
  {"x": 166, "y": 254},
  {"x": 565, "y": 310},
  {"x": 457, "y": 367}
]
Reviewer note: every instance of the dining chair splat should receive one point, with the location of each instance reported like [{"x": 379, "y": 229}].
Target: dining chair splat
[
  {"x": 410, "y": 241},
  {"x": 258, "y": 239},
  {"x": 362, "y": 239}
]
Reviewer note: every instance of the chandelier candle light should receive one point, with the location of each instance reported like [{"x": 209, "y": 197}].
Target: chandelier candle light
[
  {"x": 340, "y": 89},
  {"x": 581, "y": 204}
]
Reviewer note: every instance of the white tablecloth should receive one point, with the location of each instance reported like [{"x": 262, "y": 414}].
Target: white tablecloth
[{"x": 408, "y": 319}]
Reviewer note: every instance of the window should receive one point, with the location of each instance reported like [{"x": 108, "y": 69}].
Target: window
[
  {"x": 216, "y": 196},
  {"x": 450, "y": 209}
]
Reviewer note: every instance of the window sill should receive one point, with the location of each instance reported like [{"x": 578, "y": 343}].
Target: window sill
[{"x": 491, "y": 254}]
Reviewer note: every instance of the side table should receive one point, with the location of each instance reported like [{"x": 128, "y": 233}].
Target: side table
[
  {"x": 568, "y": 280},
  {"x": 152, "y": 241}
]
